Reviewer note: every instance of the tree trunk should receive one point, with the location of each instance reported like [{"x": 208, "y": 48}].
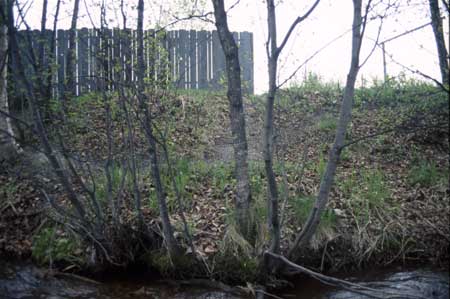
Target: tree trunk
[
  {"x": 438, "y": 30},
  {"x": 51, "y": 55},
  {"x": 272, "y": 200},
  {"x": 42, "y": 48},
  {"x": 71, "y": 53},
  {"x": 169, "y": 238},
  {"x": 273, "y": 53},
  {"x": 326, "y": 183},
  {"x": 237, "y": 120},
  {"x": 8, "y": 148}
]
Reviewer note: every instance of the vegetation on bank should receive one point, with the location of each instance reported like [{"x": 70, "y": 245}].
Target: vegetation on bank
[{"x": 388, "y": 204}]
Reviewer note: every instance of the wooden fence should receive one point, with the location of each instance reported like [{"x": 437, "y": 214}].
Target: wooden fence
[{"x": 191, "y": 59}]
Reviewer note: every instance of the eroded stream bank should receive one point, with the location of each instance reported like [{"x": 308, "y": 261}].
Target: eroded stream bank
[{"x": 24, "y": 280}]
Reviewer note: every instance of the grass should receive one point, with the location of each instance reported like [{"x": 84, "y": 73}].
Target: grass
[
  {"x": 9, "y": 190},
  {"x": 399, "y": 91},
  {"x": 426, "y": 174},
  {"x": 326, "y": 230},
  {"x": 50, "y": 246},
  {"x": 321, "y": 165},
  {"x": 365, "y": 192},
  {"x": 375, "y": 188},
  {"x": 101, "y": 183},
  {"x": 302, "y": 207},
  {"x": 189, "y": 176},
  {"x": 327, "y": 123}
]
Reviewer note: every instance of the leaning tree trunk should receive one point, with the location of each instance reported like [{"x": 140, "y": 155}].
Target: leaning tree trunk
[
  {"x": 344, "y": 119},
  {"x": 438, "y": 30},
  {"x": 169, "y": 238},
  {"x": 237, "y": 120},
  {"x": 7, "y": 143}
]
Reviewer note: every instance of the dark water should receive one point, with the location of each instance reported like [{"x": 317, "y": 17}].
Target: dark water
[
  {"x": 19, "y": 280},
  {"x": 392, "y": 283}
]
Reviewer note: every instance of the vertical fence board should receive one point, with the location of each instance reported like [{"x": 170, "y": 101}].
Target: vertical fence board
[
  {"x": 109, "y": 59},
  {"x": 170, "y": 55},
  {"x": 202, "y": 40},
  {"x": 49, "y": 60},
  {"x": 182, "y": 58},
  {"x": 82, "y": 60},
  {"x": 126, "y": 54},
  {"x": 61, "y": 60},
  {"x": 218, "y": 59},
  {"x": 117, "y": 55},
  {"x": 162, "y": 58},
  {"x": 193, "y": 59},
  {"x": 96, "y": 60},
  {"x": 176, "y": 52},
  {"x": 246, "y": 60},
  {"x": 152, "y": 47}
]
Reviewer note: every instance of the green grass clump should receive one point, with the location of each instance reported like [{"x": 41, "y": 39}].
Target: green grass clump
[
  {"x": 101, "y": 183},
  {"x": 49, "y": 246},
  {"x": 375, "y": 188},
  {"x": 302, "y": 207},
  {"x": 366, "y": 192},
  {"x": 399, "y": 91},
  {"x": 328, "y": 123},
  {"x": 426, "y": 174}
]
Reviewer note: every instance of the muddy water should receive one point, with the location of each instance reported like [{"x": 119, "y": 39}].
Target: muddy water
[{"x": 21, "y": 280}]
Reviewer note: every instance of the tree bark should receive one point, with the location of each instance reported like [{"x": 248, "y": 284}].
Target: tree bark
[
  {"x": 169, "y": 238},
  {"x": 42, "y": 43},
  {"x": 71, "y": 54},
  {"x": 438, "y": 30},
  {"x": 272, "y": 200},
  {"x": 308, "y": 230},
  {"x": 273, "y": 53},
  {"x": 8, "y": 148},
  {"x": 237, "y": 120}
]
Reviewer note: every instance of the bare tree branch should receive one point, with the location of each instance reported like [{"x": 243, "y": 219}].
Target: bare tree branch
[{"x": 292, "y": 27}]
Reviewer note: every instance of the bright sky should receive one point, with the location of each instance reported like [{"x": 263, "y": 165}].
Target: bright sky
[{"x": 330, "y": 20}]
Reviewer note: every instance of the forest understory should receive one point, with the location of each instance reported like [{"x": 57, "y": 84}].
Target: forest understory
[{"x": 389, "y": 204}]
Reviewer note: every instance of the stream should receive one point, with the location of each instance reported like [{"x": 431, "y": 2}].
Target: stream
[{"x": 24, "y": 280}]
